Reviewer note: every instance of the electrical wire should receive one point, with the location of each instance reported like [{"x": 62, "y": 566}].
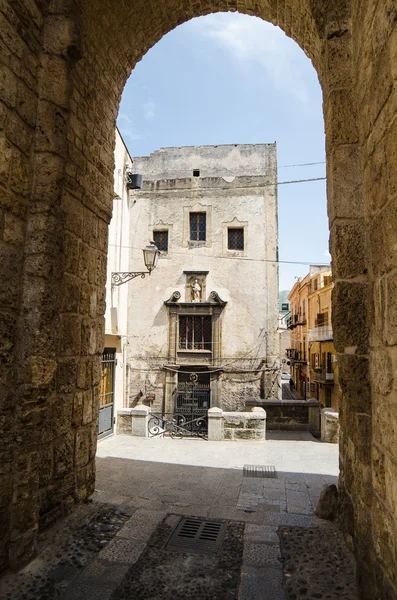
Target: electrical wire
[
  {"x": 322, "y": 162},
  {"x": 234, "y": 258}
]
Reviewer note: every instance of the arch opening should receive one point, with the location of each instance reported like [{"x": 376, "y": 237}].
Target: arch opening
[{"x": 60, "y": 118}]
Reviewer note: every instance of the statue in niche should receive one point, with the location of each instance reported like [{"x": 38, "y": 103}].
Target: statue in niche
[{"x": 196, "y": 291}]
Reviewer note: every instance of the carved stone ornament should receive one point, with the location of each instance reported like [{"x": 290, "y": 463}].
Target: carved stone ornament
[
  {"x": 216, "y": 299},
  {"x": 175, "y": 296}
]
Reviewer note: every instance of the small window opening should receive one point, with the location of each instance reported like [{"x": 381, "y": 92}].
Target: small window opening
[
  {"x": 160, "y": 238},
  {"x": 235, "y": 238},
  {"x": 198, "y": 227},
  {"x": 196, "y": 172}
]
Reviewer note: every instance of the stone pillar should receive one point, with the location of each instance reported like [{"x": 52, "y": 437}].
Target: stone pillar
[
  {"x": 314, "y": 416},
  {"x": 124, "y": 421},
  {"x": 329, "y": 426},
  {"x": 170, "y": 385},
  {"x": 216, "y": 334},
  {"x": 259, "y": 413},
  {"x": 216, "y": 395},
  {"x": 172, "y": 335},
  {"x": 140, "y": 419},
  {"x": 215, "y": 424}
]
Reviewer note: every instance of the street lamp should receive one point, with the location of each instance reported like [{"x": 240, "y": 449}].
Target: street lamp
[{"x": 150, "y": 256}]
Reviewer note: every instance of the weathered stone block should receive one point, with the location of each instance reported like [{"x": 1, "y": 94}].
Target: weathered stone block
[
  {"x": 255, "y": 424},
  {"x": 382, "y": 373},
  {"x": 67, "y": 375},
  {"x": 124, "y": 421},
  {"x": 63, "y": 455},
  {"x": 354, "y": 382},
  {"x": 87, "y": 407},
  {"x": 348, "y": 249},
  {"x": 390, "y": 315},
  {"x": 329, "y": 426},
  {"x": 8, "y": 86},
  {"x": 351, "y": 303},
  {"x": 341, "y": 118},
  {"x": 48, "y": 176},
  {"x": 82, "y": 446},
  {"x": 70, "y": 294},
  {"x": 78, "y": 404},
  {"x": 228, "y": 434},
  {"x": 378, "y": 471},
  {"x": 71, "y": 334},
  {"x": 327, "y": 507}
]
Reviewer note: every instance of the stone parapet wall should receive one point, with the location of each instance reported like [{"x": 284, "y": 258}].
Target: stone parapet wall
[
  {"x": 293, "y": 415},
  {"x": 236, "y": 425}
]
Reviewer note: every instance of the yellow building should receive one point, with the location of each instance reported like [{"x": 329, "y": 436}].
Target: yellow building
[
  {"x": 298, "y": 353},
  {"x": 312, "y": 356},
  {"x": 322, "y": 356}
]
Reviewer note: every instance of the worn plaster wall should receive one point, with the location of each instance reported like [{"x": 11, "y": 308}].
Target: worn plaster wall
[
  {"x": 63, "y": 67},
  {"x": 234, "y": 195}
]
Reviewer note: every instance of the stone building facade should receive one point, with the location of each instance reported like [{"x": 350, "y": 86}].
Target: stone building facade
[
  {"x": 64, "y": 65},
  {"x": 312, "y": 355},
  {"x": 211, "y": 306}
]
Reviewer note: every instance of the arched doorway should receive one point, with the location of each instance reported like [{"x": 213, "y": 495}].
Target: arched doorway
[{"x": 64, "y": 71}]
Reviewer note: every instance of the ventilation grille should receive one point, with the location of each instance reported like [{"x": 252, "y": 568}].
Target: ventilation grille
[
  {"x": 198, "y": 536},
  {"x": 259, "y": 471}
]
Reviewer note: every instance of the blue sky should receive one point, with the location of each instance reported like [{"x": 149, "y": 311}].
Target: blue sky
[{"x": 230, "y": 78}]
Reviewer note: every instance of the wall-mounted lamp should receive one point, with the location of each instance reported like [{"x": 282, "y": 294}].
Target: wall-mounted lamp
[{"x": 150, "y": 256}]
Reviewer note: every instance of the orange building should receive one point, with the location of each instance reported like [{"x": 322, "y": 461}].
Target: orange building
[{"x": 312, "y": 356}]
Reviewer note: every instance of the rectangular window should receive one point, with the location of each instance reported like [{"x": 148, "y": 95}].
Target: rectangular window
[
  {"x": 322, "y": 319},
  {"x": 195, "y": 332},
  {"x": 327, "y": 280},
  {"x": 235, "y": 238},
  {"x": 160, "y": 238},
  {"x": 198, "y": 226}
]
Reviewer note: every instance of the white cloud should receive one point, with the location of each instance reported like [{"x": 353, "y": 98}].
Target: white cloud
[
  {"x": 149, "y": 109},
  {"x": 251, "y": 39},
  {"x": 128, "y": 128}
]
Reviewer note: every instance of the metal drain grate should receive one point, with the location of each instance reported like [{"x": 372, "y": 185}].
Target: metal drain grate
[
  {"x": 199, "y": 536},
  {"x": 259, "y": 471}
]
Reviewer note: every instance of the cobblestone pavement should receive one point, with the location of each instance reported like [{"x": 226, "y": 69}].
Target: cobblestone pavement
[{"x": 147, "y": 479}]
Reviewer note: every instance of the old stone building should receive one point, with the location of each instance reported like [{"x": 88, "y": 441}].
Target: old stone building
[
  {"x": 63, "y": 69},
  {"x": 210, "y": 307}
]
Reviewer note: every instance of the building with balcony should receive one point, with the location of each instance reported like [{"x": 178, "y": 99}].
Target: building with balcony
[
  {"x": 297, "y": 354},
  {"x": 312, "y": 356},
  {"x": 323, "y": 360}
]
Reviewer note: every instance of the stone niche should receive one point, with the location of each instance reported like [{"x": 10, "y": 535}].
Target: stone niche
[{"x": 195, "y": 286}]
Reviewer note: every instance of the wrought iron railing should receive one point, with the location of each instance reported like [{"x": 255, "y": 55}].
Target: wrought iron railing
[{"x": 178, "y": 425}]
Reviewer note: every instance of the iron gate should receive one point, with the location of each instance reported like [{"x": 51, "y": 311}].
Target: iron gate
[
  {"x": 192, "y": 401},
  {"x": 189, "y": 418},
  {"x": 106, "y": 393}
]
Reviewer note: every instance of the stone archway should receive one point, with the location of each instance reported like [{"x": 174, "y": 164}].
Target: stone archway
[{"x": 64, "y": 65}]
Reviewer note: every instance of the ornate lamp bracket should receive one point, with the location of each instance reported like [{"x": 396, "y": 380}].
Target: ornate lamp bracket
[{"x": 120, "y": 278}]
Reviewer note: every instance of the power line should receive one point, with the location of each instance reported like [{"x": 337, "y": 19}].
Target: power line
[
  {"x": 234, "y": 258},
  {"x": 302, "y": 165},
  {"x": 301, "y": 180}
]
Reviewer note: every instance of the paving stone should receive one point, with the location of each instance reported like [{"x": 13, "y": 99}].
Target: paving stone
[
  {"x": 261, "y": 533},
  {"x": 141, "y": 524},
  {"x": 123, "y": 550},
  {"x": 261, "y": 584},
  {"x": 260, "y": 554},
  {"x": 86, "y": 592},
  {"x": 104, "y": 573}
]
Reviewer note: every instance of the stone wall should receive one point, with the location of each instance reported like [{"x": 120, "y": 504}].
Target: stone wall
[{"x": 63, "y": 67}]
